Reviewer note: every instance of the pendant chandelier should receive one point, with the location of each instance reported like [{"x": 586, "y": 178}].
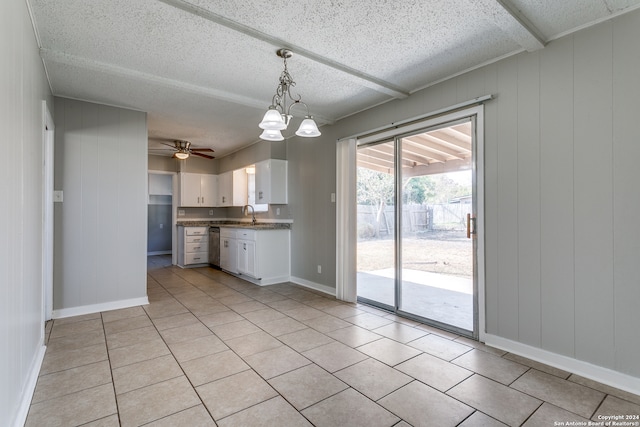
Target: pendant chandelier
[{"x": 278, "y": 116}]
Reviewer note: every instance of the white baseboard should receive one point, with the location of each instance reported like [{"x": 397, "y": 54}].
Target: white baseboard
[
  {"x": 30, "y": 388},
  {"x": 584, "y": 369},
  {"x": 266, "y": 282},
  {"x": 97, "y": 308},
  {"x": 313, "y": 285}
]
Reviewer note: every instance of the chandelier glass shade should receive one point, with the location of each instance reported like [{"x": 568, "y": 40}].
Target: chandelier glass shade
[
  {"x": 278, "y": 116},
  {"x": 271, "y": 135}
]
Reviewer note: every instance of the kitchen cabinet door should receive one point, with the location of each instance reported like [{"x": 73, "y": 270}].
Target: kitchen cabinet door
[
  {"x": 247, "y": 258},
  {"x": 229, "y": 254},
  {"x": 208, "y": 190},
  {"x": 190, "y": 189},
  {"x": 271, "y": 182},
  {"x": 239, "y": 189},
  {"x": 225, "y": 189},
  {"x": 198, "y": 190}
]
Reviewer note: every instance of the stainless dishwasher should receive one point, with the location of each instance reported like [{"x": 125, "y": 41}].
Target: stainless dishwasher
[{"x": 214, "y": 246}]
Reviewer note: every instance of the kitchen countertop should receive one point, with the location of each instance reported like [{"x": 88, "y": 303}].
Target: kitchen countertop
[{"x": 237, "y": 224}]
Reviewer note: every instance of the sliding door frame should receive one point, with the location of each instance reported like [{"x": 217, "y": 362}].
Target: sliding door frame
[{"x": 475, "y": 112}]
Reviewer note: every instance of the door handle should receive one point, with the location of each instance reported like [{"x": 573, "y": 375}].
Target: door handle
[{"x": 471, "y": 225}]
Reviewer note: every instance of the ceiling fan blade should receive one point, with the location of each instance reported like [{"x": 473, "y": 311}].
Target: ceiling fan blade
[
  {"x": 202, "y": 149},
  {"x": 202, "y": 155}
]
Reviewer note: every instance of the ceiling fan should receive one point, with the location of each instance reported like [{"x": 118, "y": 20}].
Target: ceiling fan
[{"x": 182, "y": 150}]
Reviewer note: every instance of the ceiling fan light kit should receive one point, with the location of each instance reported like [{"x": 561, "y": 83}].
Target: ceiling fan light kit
[
  {"x": 181, "y": 155},
  {"x": 278, "y": 116}
]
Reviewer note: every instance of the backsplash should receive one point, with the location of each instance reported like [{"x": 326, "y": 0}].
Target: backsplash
[{"x": 276, "y": 212}]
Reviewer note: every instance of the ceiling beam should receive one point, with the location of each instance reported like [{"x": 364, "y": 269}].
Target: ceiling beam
[
  {"x": 427, "y": 149},
  {"x": 437, "y": 168},
  {"x": 367, "y": 80},
  {"x": 453, "y": 138},
  {"x": 406, "y": 156},
  {"x": 375, "y": 167},
  {"x": 53, "y": 56},
  {"x": 441, "y": 145},
  {"x": 511, "y": 21}
]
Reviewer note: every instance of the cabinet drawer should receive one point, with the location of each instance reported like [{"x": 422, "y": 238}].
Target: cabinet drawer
[
  {"x": 246, "y": 234},
  {"x": 196, "y": 258},
  {"x": 196, "y": 231},
  {"x": 228, "y": 232},
  {"x": 197, "y": 239},
  {"x": 197, "y": 247}
]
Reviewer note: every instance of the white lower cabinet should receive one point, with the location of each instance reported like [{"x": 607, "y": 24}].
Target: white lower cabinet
[
  {"x": 228, "y": 250},
  {"x": 193, "y": 246},
  {"x": 247, "y": 253},
  {"x": 263, "y": 255}
]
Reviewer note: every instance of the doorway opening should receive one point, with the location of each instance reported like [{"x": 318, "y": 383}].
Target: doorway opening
[
  {"x": 160, "y": 213},
  {"x": 416, "y": 224}
]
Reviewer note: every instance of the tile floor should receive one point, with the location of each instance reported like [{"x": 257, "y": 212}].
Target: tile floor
[{"x": 211, "y": 349}]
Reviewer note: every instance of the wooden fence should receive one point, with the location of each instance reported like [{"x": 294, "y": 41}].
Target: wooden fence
[{"x": 415, "y": 219}]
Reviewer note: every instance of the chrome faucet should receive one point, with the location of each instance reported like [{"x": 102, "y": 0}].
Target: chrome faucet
[{"x": 253, "y": 213}]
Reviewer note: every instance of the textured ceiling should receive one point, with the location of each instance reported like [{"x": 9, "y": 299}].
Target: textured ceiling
[{"x": 206, "y": 70}]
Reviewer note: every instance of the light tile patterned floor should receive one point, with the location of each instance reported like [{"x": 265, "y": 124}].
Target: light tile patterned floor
[{"x": 211, "y": 349}]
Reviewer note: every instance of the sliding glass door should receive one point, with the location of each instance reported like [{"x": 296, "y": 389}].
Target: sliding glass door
[
  {"x": 416, "y": 225},
  {"x": 376, "y": 248}
]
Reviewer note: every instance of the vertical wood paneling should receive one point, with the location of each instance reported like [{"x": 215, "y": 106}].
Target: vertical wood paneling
[
  {"x": 133, "y": 130},
  {"x": 476, "y": 84},
  {"x": 462, "y": 88},
  {"x": 556, "y": 196},
  {"x": 73, "y": 243},
  {"x": 89, "y": 222},
  {"x": 109, "y": 166},
  {"x": 626, "y": 193},
  {"x": 491, "y": 201},
  {"x": 23, "y": 87},
  {"x": 104, "y": 217},
  {"x": 12, "y": 371},
  {"x": 593, "y": 195},
  {"x": 529, "y": 198},
  {"x": 449, "y": 92},
  {"x": 59, "y": 157},
  {"x": 508, "y": 198}
]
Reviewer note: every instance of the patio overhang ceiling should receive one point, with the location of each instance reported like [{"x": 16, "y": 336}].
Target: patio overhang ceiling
[{"x": 447, "y": 149}]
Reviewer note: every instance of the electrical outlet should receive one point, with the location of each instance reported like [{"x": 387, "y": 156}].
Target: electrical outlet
[
  {"x": 319, "y": 269},
  {"x": 161, "y": 226},
  {"x": 277, "y": 211},
  {"x": 180, "y": 212},
  {"x": 210, "y": 212},
  {"x": 333, "y": 197}
]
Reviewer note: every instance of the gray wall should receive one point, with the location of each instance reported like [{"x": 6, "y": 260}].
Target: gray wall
[
  {"x": 561, "y": 153},
  {"x": 101, "y": 227},
  {"x": 23, "y": 87}
]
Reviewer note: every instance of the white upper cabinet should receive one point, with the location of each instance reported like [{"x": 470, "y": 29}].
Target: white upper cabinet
[
  {"x": 208, "y": 190},
  {"x": 271, "y": 182},
  {"x": 225, "y": 189},
  {"x": 232, "y": 188},
  {"x": 240, "y": 187},
  {"x": 198, "y": 190}
]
